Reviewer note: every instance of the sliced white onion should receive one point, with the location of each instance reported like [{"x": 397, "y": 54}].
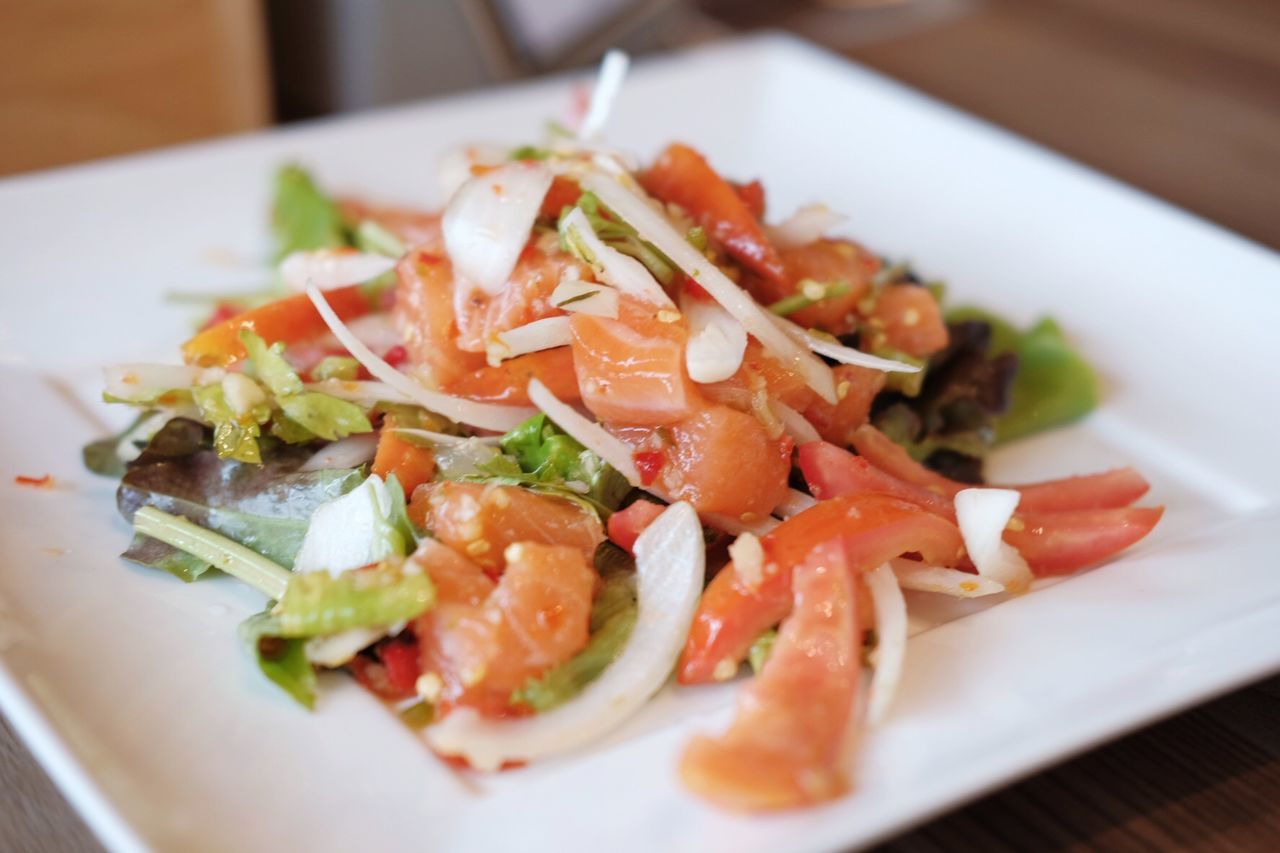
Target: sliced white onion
[
  {"x": 454, "y": 168},
  {"x": 488, "y": 221},
  {"x": 586, "y": 432},
  {"x": 891, "y": 639},
  {"x": 464, "y": 459},
  {"x": 795, "y": 503},
  {"x": 140, "y": 382},
  {"x": 716, "y": 344},
  {"x": 622, "y": 271},
  {"x": 127, "y": 448},
  {"x": 349, "y": 452},
  {"x": 483, "y": 415},
  {"x": 366, "y": 394},
  {"x": 350, "y": 531},
  {"x": 796, "y": 424},
  {"x": 801, "y": 228},
  {"x": 330, "y": 268},
  {"x": 334, "y": 650},
  {"x": 613, "y": 70},
  {"x": 654, "y": 227},
  {"x": 586, "y": 297},
  {"x": 839, "y": 352},
  {"x": 670, "y": 564},
  {"x": 547, "y": 333},
  {"x": 981, "y": 515},
  {"x": 921, "y": 578},
  {"x": 377, "y": 331},
  {"x": 444, "y": 438}
]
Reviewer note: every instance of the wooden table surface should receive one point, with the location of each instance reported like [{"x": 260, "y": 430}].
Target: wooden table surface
[{"x": 1182, "y": 98}]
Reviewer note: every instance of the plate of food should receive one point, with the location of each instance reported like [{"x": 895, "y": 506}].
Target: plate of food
[{"x": 670, "y": 471}]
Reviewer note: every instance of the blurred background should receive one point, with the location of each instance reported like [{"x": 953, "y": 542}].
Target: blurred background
[{"x": 1180, "y": 97}]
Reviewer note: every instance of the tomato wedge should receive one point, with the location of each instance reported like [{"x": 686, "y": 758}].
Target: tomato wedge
[
  {"x": 1059, "y": 543},
  {"x": 788, "y": 745},
  {"x": 625, "y": 526},
  {"x": 1054, "y": 542},
  {"x": 287, "y": 320},
  {"x": 1109, "y": 489},
  {"x": 683, "y": 176},
  {"x": 738, "y": 605}
]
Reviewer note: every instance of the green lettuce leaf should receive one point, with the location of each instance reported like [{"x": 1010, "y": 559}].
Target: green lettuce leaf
[
  {"x": 103, "y": 456},
  {"x": 281, "y": 659},
  {"x": 265, "y": 507},
  {"x": 545, "y": 453},
  {"x": 317, "y": 603},
  {"x": 303, "y": 217}
]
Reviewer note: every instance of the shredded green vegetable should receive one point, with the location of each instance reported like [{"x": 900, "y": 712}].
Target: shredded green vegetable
[{"x": 316, "y": 603}]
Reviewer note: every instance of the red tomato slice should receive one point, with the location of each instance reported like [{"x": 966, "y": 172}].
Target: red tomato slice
[
  {"x": 1053, "y": 542},
  {"x": 1059, "y": 543},
  {"x": 752, "y": 195},
  {"x": 625, "y": 526},
  {"x": 683, "y": 176},
  {"x": 736, "y": 607},
  {"x": 789, "y": 743},
  {"x": 1109, "y": 489}
]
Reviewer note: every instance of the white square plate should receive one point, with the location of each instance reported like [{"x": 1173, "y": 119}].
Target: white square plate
[{"x": 133, "y": 689}]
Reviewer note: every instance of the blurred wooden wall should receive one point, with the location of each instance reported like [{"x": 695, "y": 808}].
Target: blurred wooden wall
[{"x": 90, "y": 78}]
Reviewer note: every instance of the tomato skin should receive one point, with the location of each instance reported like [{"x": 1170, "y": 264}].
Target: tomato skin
[
  {"x": 910, "y": 320},
  {"x": 400, "y": 657},
  {"x": 508, "y": 383},
  {"x": 1060, "y": 543},
  {"x": 752, "y": 195},
  {"x": 787, "y": 746},
  {"x": 625, "y": 526},
  {"x": 1053, "y": 542},
  {"x": 1112, "y": 489},
  {"x": 873, "y": 528},
  {"x": 832, "y": 472},
  {"x": 563, "y": 193},
  {"x": 287, "y": 320},
  {"x": 683, "y": 176}
]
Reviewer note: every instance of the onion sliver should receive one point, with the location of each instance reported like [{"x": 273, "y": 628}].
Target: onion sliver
[
  {"x": 613, "y": 70},
  {"x": 329, "y": 268},
  {"x": 488, "y": 221},
  {"x": 716, "y": 344},
  {"x": 796, "y": 424},
  {"x": 586, "y": 297},
  {"x": 367, "y": 394},
  {"x": 655, "y": 228},
  {"x": 795, "y": 503},
  {"x": 981, "y": 515},
  {"x": 921, "y": 578},
  {"x": 622, "y": 271},
  {"x": 443, "y": 437},
  {"x": 483, "y": 415},
  {"x": 586, "y": 432},
  {"x": 807, "y": 224},
  {"x": 547, "y": 333},
  {"x": 891, "y": 639},
  {"x": 140, "y": 382},
  {"x": 839, "y": 352},
  {"x": 670, "y": 564},
  {"x": 350, "y": 452}
]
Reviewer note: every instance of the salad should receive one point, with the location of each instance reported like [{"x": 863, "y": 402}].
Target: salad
[{"x": 513, "y": 463}]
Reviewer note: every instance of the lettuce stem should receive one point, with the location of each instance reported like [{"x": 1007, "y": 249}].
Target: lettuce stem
[{"x": 231, "y": 557}]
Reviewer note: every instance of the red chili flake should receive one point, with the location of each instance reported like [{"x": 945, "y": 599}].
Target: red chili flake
[
  {"x": 649, "y": 463},
  {"x": 400, "y": 657},
  {"x": 429, "y": 258},
  {"x": 696, "y": 290},
  {"x": 396, "y": 356},
  {"x": 45, "y": 482},
  {"x": 222, "y": 312}
]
